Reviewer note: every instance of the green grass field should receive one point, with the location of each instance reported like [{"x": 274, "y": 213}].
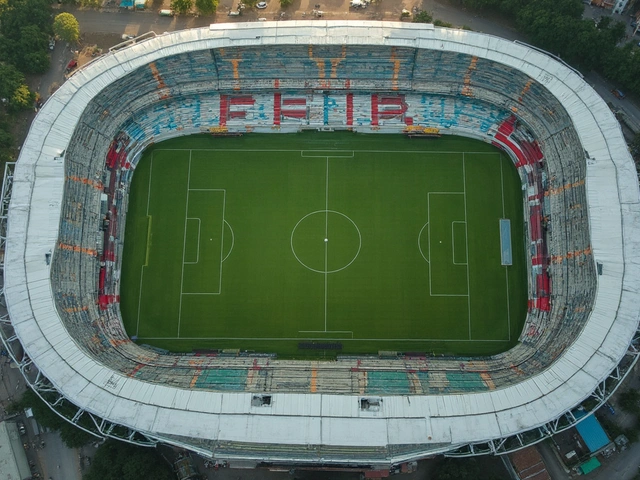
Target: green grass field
[{"x": 378, "y": 242}]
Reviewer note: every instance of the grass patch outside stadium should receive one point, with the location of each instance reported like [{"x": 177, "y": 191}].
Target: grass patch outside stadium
[{"x": 375, "y": 242}]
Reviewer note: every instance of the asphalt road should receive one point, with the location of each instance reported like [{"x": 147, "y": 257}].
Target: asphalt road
[
  {"x": 57, "y": 460},
  {"x": 134, "y": 23},
  {"x": 556, "y": 471}
]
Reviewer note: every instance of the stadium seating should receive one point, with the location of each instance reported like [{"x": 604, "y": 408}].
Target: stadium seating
[{"x": 297, "y": 86}]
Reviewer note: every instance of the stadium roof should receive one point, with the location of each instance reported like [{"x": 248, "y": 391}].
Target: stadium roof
[{"x": 441, "y": 420}]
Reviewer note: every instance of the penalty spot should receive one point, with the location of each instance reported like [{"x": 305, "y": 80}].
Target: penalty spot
[{"x": 326, "y": 239}]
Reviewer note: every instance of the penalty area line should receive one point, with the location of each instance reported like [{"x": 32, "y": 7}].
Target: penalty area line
[{"x": 289, "y": 339}]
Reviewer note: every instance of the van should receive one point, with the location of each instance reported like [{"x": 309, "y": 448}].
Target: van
[{"x": 166, "y": 13}]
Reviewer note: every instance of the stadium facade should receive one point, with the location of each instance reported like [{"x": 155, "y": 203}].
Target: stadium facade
[{"x": 68, "y": 197}]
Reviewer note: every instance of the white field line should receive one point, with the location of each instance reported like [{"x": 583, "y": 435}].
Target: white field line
[
  {"x": 233, "y": 240},
  {"x": 184, "y": 242},
  {"x": 464, "y": 183},
  {"x": 271, "y": 339},
  {"x": 139, "y": 301},
  {"x": 501, "y": 184},
  {"x": 429, "y": 245},
  {"x": 453, "y": 246},
  {"x": 506, "y": 274},
  {"x": 422, "y": 152},
  {"x": 303, "y": 153},
  {"x": 221, "y": 242},
  {"x": 326, "y": 244},
  {"x": 349, "y": 332},
  {"x": 149, "y": 191},
  {"x": 142, "y": 267},
  {"x": 506, "y": 270},
  {"x": 198, "y": 250},
  {"x": 224, "y": 206}
]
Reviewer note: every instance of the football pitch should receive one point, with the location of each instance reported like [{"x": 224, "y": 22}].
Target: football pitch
[{"x": 344, "y": 242}]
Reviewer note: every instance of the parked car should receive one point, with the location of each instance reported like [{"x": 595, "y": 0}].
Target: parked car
[
  {"x": 21, "y": 428},
  {"x": 261, "y": 5},
  {"x": 71, "y": 65},
  {"x": 52, "y": 43},
  {"x": 618, "y": 93}
]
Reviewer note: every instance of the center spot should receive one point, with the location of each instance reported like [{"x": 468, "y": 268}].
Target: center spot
[{"x": 324, "y": 256}]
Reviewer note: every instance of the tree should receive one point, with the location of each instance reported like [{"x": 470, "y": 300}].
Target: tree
[
  {"x": 440, "y": 23},
  {"x": 66, "y": 27},
  {"x": 116, "y": 460},
  {"x": 17, "y": 14},
  {"x": 71, "y": 435},
  {"x": 29, "y": 53},
  {"x": 13, "y": 91},
  {"x": 22, "y": 98},
  {"x": 207, "y": 7},
  {"x": 285, "y": 3},
  {"x": 423, "y": 17},
  {"x": 181, "y": 6},
  {"x": 629, "y": 401}
]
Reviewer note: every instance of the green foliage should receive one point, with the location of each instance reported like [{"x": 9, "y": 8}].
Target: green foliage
[
  {"x": 22, "y": 98},
  {"x": 207, "y": 7},
  {"x": 423, "y": 17},
  {"x": 613, "y": 429},
  {"x": 116, "y": 460},
  {"x": 181, "y": 6},
  {"x": 629, "y": 401},
  {"x": 557, "y": 26},
  {"x": 91, "y": 3},
  {"x": 66, "y": 27},
  {"x": 29, "y": 52},
  {"x": 13, "y": 90},
  {"x": 71, "y": 435},
  {"x": 285, "y": 3},
  {"x": 440, "y": 23},
  {"x": 25, "y": 26},
  {"x": 16, "y": 14},
  {"x": 6, "y": 140}
]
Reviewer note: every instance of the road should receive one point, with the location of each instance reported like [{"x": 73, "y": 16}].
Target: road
[
  {"x": 556, "y": 471},
  {"x": 134, "y": 23},
  {"x": 57, "y": 460}
]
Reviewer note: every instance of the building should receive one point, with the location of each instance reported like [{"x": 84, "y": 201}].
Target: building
[
  {"x": 580, "y": 336},
  {"x": 13, "y": 459}
]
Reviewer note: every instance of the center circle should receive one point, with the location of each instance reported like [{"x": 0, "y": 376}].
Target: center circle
[{"x": 325, "y": 241}]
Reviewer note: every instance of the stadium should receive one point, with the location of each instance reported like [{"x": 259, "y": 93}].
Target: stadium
[{"x": 65, "y": 204}]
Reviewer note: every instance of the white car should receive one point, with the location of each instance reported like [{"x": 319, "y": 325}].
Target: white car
[{"x": 261, "y": 5}]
